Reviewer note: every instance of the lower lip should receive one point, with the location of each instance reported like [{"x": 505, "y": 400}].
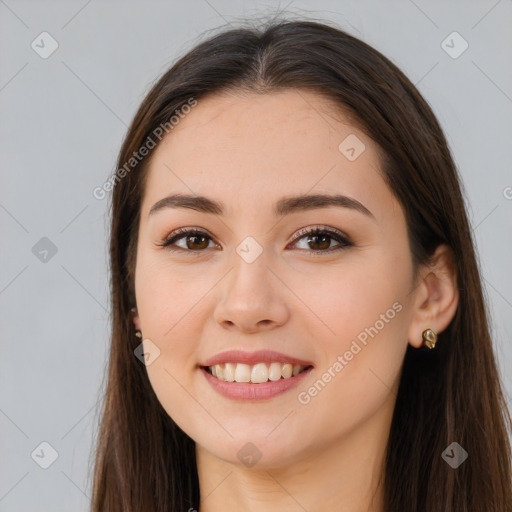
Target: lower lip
[{"x": 249, "y": 391}]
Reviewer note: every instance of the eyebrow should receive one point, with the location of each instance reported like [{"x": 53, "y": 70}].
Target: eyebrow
[{"x": 284, "y": 206}]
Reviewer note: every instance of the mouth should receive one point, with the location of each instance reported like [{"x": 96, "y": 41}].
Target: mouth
[{"x": 258, "y": 373}]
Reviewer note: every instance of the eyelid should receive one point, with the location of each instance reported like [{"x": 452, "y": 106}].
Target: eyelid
[
  {"x": 321, "y": 228},
  {"x": 344, "y": 240},
  {"x": 180, "y": 233}
]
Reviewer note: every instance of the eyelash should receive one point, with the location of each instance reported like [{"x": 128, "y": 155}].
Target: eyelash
[{"x": 338, "y": 236}]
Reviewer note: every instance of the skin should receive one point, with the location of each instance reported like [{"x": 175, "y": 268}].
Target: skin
[{"x": 248, "y": 151}]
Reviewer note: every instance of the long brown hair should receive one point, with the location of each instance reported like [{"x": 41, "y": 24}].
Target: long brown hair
[{"x": 143, "y": 460}]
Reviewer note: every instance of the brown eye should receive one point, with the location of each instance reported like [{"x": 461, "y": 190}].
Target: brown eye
[
  {"x": 196, "y": 241},
  {"x": 193, "y": 241},
  {"x": 319, "y": 240}
]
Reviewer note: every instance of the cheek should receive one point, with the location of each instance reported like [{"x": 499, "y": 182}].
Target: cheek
[
  {"x": 338, "y": 403},
  {"x": 168, "y": 297},
  {"x": 346, "y": 300},
  {"x": 170, "y": 301},
  {"x": 174, "y": 391},
  {"x": 361, "y": 362},
  {"x": 364, "y": 324}
]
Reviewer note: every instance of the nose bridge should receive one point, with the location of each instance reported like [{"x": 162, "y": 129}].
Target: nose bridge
[
  {"x": 250, "y": 272},
  {"x": 250, "y": 297}
]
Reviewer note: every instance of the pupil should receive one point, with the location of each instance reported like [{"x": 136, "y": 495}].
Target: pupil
[
  {"x": 323, "y": 237},
  {"x": 194, "y": 238}
]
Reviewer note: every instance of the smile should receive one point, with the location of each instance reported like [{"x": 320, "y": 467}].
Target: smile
[
  {"x": 256, "y": 374},
  {"x": 261, "y": 375}
]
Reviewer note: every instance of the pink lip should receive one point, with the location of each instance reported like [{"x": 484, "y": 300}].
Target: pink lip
[
  {"x": 251, "y": 358},
  {"x": 247, "y": 391}
]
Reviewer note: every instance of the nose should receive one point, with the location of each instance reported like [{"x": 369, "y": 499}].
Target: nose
[{"x": 252, "y": 298}]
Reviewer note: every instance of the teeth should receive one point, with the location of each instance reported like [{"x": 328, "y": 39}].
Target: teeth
[
  {"x": 287, "y": 370},
  {"x": 274, "y": 372},
  {"x": 229, "y": 372},
  {"x": 242, "y": 373},
  {"x": 257, "y": 374}
]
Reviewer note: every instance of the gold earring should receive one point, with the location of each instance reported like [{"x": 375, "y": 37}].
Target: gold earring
[
  {"x": 429, "y": 338},
  {"x": 138, "y": 334}
]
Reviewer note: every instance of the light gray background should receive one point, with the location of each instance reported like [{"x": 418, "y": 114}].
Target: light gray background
[{"x": 62, "y": 122}]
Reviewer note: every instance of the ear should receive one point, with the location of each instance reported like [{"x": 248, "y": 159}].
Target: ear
[
  {"x": 436, "y": 296},
  {"x": 135, "y": 319}
]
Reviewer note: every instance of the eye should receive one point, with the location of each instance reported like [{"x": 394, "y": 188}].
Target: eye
[
  {"x": 196, "y": 240},
  {"x": 319, "y": 239}
]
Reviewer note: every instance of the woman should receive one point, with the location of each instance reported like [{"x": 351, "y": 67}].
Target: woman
[{"x": 298, "y": 318}]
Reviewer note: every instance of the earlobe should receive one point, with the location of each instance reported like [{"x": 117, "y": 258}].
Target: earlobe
[
  {"x": 135, "y": 319},
  {"x": 436, "y": 297}
]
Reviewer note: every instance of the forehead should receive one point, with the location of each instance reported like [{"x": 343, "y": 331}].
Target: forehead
[{"x": 246, "y": 149}]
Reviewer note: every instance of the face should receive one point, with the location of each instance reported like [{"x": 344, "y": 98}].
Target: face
[{"x": 250, "y": 287}]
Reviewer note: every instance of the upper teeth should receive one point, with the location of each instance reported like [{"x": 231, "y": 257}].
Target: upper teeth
[{"x": 258, "y": 373}]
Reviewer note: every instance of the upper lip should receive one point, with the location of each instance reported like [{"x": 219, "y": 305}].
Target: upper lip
[{"x": 252, "y": 358}]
